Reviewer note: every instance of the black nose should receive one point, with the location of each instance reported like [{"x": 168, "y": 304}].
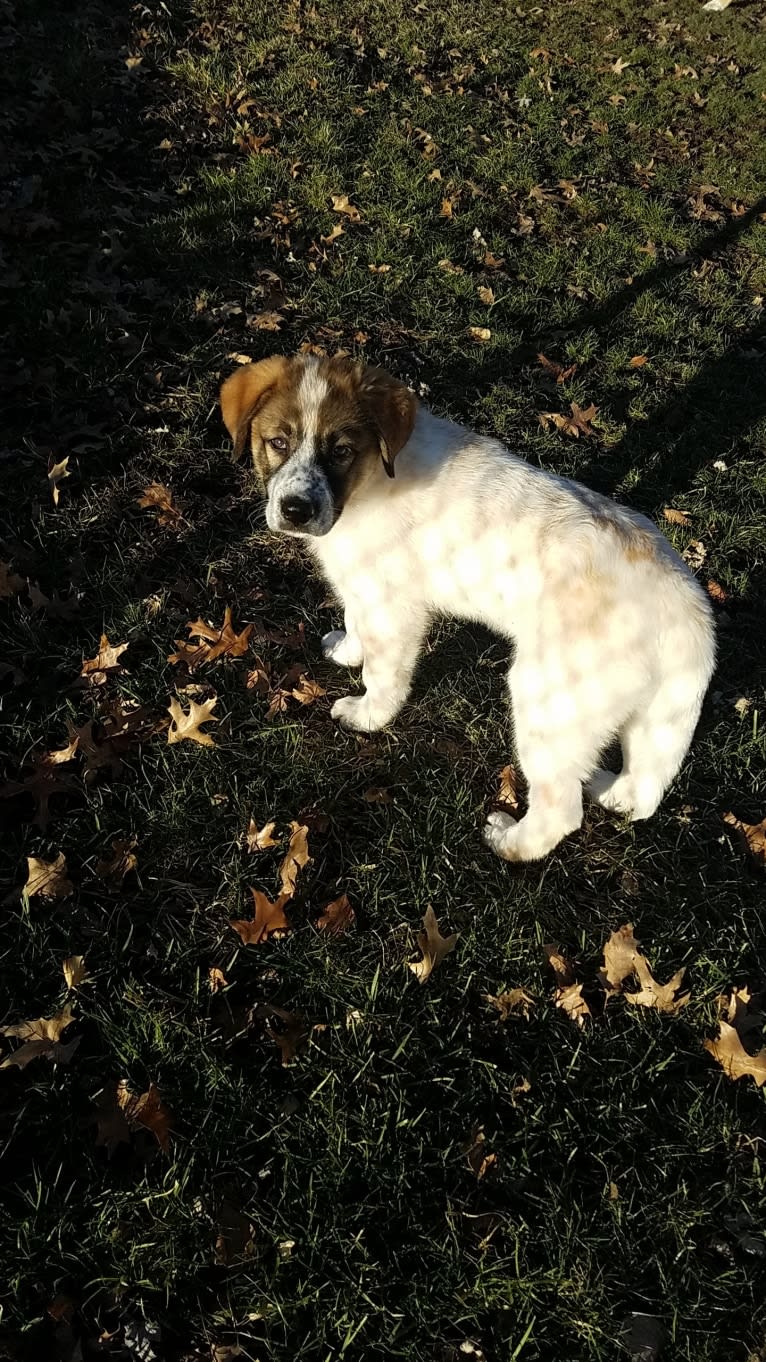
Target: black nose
[{"x": 297, "y": 510}]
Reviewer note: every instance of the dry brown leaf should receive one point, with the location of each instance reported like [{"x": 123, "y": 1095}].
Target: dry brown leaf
[
  {"x": 291, "y": 1035},
  {"x": 111, "y": 1127},
  {"x": 676, "y": 517},
  {"x": 577, "y": 424},
  {"x": 187, "y": 726},
  {"x": 216, "y": 979},
  {"x": 571, "y": 1001},
  {"x": 307, "y": 691},
  {"x": 562, "y": 373},
  {"x": 332, "y": 235},
  {"x": 480, "y": 334},
  {"x": 638, "y": 361},
  {"x": 731, "y": 1054},
  {"x": 619, "y": 958},
  {"x": 661, "y": 997},
  {"x": 446, "y": 209},
  {"x": 237, "y": 358},
  {"x": 716, "y": 592},
  {"x": 49, "y": 879},
  {"x": 42, "y": 1040},
  {"x": 160, "y": 498},
  {"x": 379, "y": 269},
  {"x": 106, "y": 663},
  {"x": 337, "y": 917},
  {"x": 618, "y": 66},
  {"x": 56, "y": 474},
  {"x": 266, "y": 321},
  {"x": 507, "y": 793},
  {"x": 341, "y": 204},
  {"x": 59, "y": 756},
  {"x": 10, "y": 583},
  {"x": 752, "y": 834},
  {"x": 296, "y": 858},
  {"x": 743, "y": 1012},
  {"x": 486, "y": 295},
  {"x": 268, "y": 918},
  {"x": 433, "y": 945},
  {"x": 41, "y": 784},
  {"x": 278, "y": 705},
  {"x": 235, "y": 1238},
  {"x": 263, "y": 840},
  {"x": 510, "y": 1002},
  {"x": 475, "y": 1150},
  {"x": 147, "y": 1110},
  {"x": 75, "y": 971},
  {"x": 258, "y": 678},
  {"x": 560, "y": 964},
  {"x": 214, "y": 643},
  {"x": 121, "y": 861},
  {"x": 695, "y": 554}
]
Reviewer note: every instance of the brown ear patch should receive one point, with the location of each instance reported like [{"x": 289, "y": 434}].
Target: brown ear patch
[
  {"x": 392, "y": 409},
  {"x": 242, "y": 393}
]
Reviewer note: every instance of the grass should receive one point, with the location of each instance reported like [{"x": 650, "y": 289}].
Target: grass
[{"x": 144, "y": 242}]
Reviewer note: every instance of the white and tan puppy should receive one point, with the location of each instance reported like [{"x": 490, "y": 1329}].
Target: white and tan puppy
[{"x": 613, "y": 636}]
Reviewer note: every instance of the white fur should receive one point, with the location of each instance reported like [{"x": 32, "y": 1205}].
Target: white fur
[{"x": 613, "y": 636}]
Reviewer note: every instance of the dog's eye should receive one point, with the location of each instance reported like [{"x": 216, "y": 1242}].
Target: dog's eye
[
  {"x": 278, "y": 444},
  {"x": 342, "y": 455}
]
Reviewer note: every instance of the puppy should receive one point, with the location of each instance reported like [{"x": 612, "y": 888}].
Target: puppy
[{"x": 410, "y": 516}]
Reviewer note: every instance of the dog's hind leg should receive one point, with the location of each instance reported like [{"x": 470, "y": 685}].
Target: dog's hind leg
[
  {"x": 654, "y": 743},
  {"x": 558, "y": 748}
]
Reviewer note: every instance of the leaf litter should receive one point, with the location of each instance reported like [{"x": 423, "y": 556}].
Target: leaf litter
[{"x": 433, "y": 947}]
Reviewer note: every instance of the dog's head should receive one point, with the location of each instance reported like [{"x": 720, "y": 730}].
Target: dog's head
[{"x": 316, "y": 428}]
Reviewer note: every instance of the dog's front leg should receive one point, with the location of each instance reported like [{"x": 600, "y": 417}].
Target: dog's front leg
[
  {"x": 344, "y": 646},
  {"x": 391, "y": 644}
]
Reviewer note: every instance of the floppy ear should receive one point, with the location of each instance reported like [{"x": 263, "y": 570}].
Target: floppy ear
[
  {"x": 392, "y": 409},
  {"x": 243, "y": 392}
]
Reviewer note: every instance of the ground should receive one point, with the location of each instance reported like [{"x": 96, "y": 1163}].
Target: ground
[{"x": 579, "y": 182}]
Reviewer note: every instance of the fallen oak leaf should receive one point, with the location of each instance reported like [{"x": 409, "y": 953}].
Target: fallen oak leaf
[
  {"x": 112, "y": 1128},
  {"x": 619, "y": 958},
  {"x": 337, "y": 917},
  {"x": 215, "y": 643},
  {"x": 727, "y": 1049},
  {"x": 661, "y": 997},
  {"x": 160, "y": 498},
  {"x": 187, "y": 726},
  {"x": 56, "y": 474},
  {"x": 475, "y": 1150},
  {"x": 716, "y": 592},
  {"x": 293, "y": 1034},
  {"x": 638, "y": 361},
  {"x": 507, "y": 794},
  {"x": 106, "y": 663},
  {"x": 676, "y": 517},
  {"x": 48, "y": 879},
  {"x": 216, "y": 979},
  {"x": 576, "y": 424},
  {"x": 120, "y": 863},
  {"x": 514, "y": 1000},
  {"x": 75, "y": 971},
  {"x": 742, "y": 1012},
  {"x": 268, "y": 918},
  {"x": 42, "y": 1039},
  {"x": 296, "y": 858},
  {"x": 147, "y": 1110},
  {"x": 433, "y": 946},
  {"x": 258, "y": 678},
  {"x": 58, "y": 757},
  {"x": 556, "y": 370},
  {"x": 307, "y": 691},
  {"x": 10, "y": 583},
  {"x": 332, "y": 235},
  {"x": 480, "y": 334},
  {"x": 342, "y": 204},
  {"x": 235, "y": 1239},
  {"x": 260, "y": 840},
  {"x": 568, "y": 994},
  {"x": 753, "y": 835}
]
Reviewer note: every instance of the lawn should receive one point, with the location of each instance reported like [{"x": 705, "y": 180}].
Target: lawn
[{"x": 358, "y": 1165}]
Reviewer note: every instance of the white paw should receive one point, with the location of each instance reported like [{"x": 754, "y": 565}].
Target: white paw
[
  {"x": 520, "y": 839},
  {"x": 353, "y": 711},
  {"x": 343, "y": 649}
]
